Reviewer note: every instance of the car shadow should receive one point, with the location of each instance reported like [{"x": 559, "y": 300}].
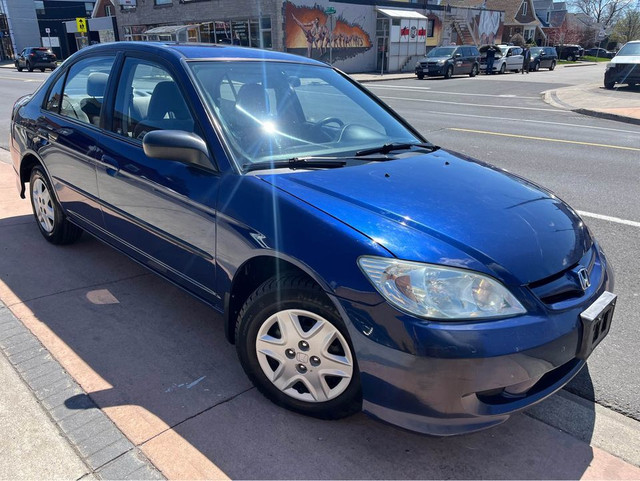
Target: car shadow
[{"x": 156, "y": 361}]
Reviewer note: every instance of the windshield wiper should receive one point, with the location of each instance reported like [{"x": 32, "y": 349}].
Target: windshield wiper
[
  {"x": 297, "y": 163},
  {"x": 386, "y": 148}
]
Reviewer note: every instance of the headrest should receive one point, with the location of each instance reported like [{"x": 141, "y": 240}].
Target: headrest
[{"x": 97, "y": 84}]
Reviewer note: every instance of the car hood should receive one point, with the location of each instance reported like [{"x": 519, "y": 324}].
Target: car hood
[
  {"x": 626, "y": 59},
  {"x": 449, "y": 209}
]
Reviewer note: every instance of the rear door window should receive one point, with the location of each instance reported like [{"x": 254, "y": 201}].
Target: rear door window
[
  {"x": 55, "y": 96},
  {"x": 85, "y": 88}
]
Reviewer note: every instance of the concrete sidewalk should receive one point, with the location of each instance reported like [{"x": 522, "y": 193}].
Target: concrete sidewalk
[
  {"x": 621, "y": 104},
  {"x": 130, "y": 370}
]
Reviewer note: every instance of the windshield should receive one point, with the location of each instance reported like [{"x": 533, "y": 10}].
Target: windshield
[
  {"x": 630, "y": 49},
  {"x": 441, "y": 52},
  {"x": 536, "y": 50},
  {"x": 504, "y": 50},
  {"x": 273, "y": 111}
]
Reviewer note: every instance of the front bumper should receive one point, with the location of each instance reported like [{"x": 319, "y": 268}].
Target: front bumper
[
  {"x": 451, "y": 378},
  {"x": 432, "y": 71},
  {"x": 623, "y": 73}
]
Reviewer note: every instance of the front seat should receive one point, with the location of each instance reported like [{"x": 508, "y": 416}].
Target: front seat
[
  {"x": 92, "y": 105},
  {"x": 167, "y": 111}
]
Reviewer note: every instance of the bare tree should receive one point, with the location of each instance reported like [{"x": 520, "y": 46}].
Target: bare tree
[
  {"x": 628, "y": 27},
  {"x": 603, "y": 12}
]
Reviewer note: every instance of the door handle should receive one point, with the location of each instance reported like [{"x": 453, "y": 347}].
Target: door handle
[{"x": 111, "y": 165}]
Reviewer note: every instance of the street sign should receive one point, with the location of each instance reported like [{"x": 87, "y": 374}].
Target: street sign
[
  {"x": 601, "y": 34},
  {"x": 330, "y": 10},
  {"x": 47, "y": 30},
  {"x": 81, "y": 23}
]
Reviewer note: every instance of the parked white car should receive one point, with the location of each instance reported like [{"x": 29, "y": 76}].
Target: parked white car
[{"x": 510, "y": 58}]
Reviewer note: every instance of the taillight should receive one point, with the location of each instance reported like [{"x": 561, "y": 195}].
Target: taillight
[{"x": 32, "y": 55}]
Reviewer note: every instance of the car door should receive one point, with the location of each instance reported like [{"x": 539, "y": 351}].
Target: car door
[
  {"x": 161, "y": 212},
  {"x": 515, "y": 61},
  {"x": 67, "y": 131},
  {"x": 21, "y": 58}
]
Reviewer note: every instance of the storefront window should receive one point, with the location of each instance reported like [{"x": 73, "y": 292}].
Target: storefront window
[
  {"x": 240, "y": 30},
  {"x": 223, "y": 32}
]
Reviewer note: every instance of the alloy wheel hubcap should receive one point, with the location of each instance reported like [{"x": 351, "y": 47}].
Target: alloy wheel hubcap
[
  {"x": 42, "y": 205},
  {"x": 304, "y": 355}
]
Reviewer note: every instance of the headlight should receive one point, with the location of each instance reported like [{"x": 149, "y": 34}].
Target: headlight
[
  {"x": 441, "y": 62},
  {"x": 438, "y": 292}
]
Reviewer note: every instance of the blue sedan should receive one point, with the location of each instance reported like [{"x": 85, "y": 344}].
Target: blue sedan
[{"x": 356, "y": 265}]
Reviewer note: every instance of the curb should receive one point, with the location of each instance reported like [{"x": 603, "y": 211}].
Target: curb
[
  {"x": 93, "y": 436},
  {"x": 550, "y": 97}
]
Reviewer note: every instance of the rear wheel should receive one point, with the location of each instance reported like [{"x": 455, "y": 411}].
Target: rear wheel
[
  {"x": 42, "y": 69},
  {"x": 53, "y": 224},
  {"x": 474, "y": 71},
  {"x": 553, "y": 65},
  {"x": 29, "y": 66},
  {"x": 449, "y": 72},
  {"x": 295, "y": 348},
  {"x": 570, "y": 58},
  {"x": 420, "y": 76}
]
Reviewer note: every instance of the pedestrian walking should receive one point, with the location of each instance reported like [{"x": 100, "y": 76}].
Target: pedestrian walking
[
  {"x": 491, "y": 56},
  {"x": 527, "y": 59}
]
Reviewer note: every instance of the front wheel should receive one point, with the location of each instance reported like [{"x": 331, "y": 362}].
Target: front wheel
[
  {"x": 29, "y": 67},
  {"x": 449, "y": 72},
  {"x": 553, "y": 65},
  {"x": 609, "y": 85},
  {"x": 53, "y": 224},
  {"x": 420, "y": 76},
  {"x": 474, "y": 71},
  {"x": 503, "y": 68},
  {"x": 536, "y": 66},
  {"x": 295, "y": 348}
]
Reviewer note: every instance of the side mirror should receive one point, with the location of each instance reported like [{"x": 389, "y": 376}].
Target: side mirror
[
  {"x": 176, "y": 145},
  {"x": 458, "y": 55},
  {"x": 542, "y": 54}
]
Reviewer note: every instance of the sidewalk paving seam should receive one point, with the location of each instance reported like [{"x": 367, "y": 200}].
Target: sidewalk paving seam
[{"x": 71, "y": 390}]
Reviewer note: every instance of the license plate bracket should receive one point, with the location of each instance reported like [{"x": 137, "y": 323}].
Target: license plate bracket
[{"x": 596, "y": 322}]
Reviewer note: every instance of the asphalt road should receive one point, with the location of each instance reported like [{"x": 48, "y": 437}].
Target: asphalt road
[{"x": 591, "y": 163}]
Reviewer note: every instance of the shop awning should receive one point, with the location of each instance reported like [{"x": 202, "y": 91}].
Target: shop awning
[{"x": 393, "y": 13}]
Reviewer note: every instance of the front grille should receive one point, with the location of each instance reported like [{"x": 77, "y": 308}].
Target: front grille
[{"x": 566, "y": 284}]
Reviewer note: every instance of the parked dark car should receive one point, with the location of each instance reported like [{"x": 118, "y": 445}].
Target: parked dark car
[
  {"x": 36, "y": 57},
  {"x": 354, "y": 264},
  {"x": 599, "y": 52},
  {"x": 569, "y": 52},
  {"x": 543, "y": 57},
  {"x": 624, "y": 68},
  {"x": 449, "y": 61}
]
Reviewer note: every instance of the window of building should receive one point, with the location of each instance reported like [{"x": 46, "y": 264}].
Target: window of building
[
  {"x": 108, "y": 11},
  {"x": 39, "y": 5},
  {"x": 149, "y": 99},
  {"x": 548, "y": 17},
  {"x": 162, "y": 2},
  {"x": 524, "y": 8},
  {"x": 430, "y": 27},
  {"x": 88, "y": 7},
  {"x": 84, "y": 89}
]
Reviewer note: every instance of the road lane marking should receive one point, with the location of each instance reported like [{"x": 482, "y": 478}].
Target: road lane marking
[
  {"x": 429, "y": 90},
  {"x": 22, "y": 79},
  {"x": 479, "y": 105},
  {"x": 545, "y": 139},
  {"x": 547, "y": 122},
  {"x": 609, "y": 218}
]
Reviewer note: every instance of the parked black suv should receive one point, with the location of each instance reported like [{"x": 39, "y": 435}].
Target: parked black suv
[
  {"x": 543, "y": 57},
  {"x": 449, "y": 61},
  {"x": 36, "y": 57},
  {"x": 569, "y": 52},
  {"x": 599, "y": 52}
]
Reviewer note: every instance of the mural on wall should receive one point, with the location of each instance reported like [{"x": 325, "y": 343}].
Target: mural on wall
[
  {"x": 487, "y": 26},
  {"x": 307, "y": 32}
]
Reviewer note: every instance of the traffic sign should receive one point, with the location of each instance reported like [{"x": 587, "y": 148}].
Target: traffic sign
[
  {"x": 47, "y": 30},
  {"x": 330, "y": 10},
  {"x": 81, "y": 23},
  {"x": 601, "y": 34}
]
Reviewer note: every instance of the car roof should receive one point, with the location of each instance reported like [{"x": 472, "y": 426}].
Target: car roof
[{"x": 201, "y": 51}]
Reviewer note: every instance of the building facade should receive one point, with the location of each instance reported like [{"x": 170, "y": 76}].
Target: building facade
[{"x": 353, "y": 35}]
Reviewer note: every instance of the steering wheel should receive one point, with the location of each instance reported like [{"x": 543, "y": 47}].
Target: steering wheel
[{"x": 330, "y": 120}]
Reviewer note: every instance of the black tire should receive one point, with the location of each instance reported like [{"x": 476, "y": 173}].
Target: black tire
[
  {"x": 420, "y": 76},
  {"x": 42, "y": 69},
  {"x": 63, "y": 231},
  {"x": 29, "y": 66},
  {"x": 449, "y": 72},
  {"x": 552, "y": 66},
  {"x": 571, "y": 58},
  {"x": 275, "y": 295},
  {"x": 474, "y": 70},
  {"x": 536, "y": 66},
  {"x": 19, "y": 69},
  {"x": 503, "y": 68},
  {"x": 609, "y": 85}
]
